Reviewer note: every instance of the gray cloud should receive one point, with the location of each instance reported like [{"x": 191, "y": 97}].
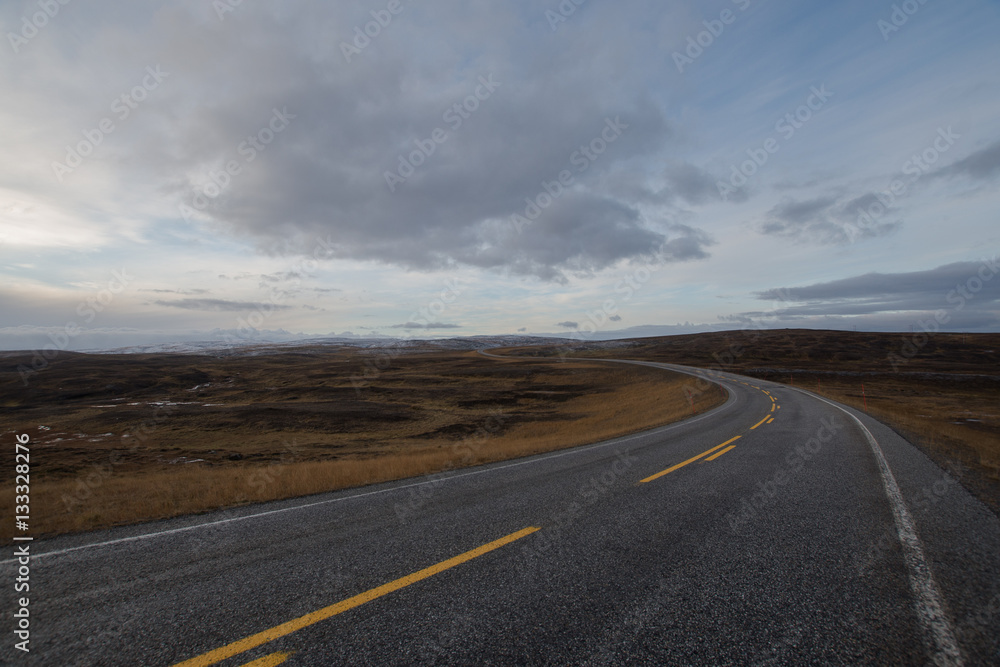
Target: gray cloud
[
  {"x": 691, "y": 183},
  {"x": 428, "y": 325},
  {"x": 697, "y": 186},
  {"x": 568, "y": 325},
  {"x": 176, "y": 291},
  {"x": 330, "y": 176},
  {"x": 801, "y": 212},
  {"x": 349, "y": 123},
  {"x": 579, "y": 233},
  {"x": 936, "y": 281},
  {"x": 827, "y": 220},
  {"x": 220, "y": 305},
  {"x": 967, "y": 292},
  {"x": 980, "y": 165},
  {"x": 280, "y": 277},
  {"x": 689, "y": 243}
]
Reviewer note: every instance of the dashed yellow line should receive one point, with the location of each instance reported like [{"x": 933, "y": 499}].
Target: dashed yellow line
[
  {"x": 773, "y": 405},
  {"x": 760, "y": 422},
  {"x": 690, "y": 460},
  {"x": 253, "y": 641},
  {"x": 720, "y": 453}
]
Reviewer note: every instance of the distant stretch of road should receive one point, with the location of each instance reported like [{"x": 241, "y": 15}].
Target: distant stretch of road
[{"x": 779, "y": 528}]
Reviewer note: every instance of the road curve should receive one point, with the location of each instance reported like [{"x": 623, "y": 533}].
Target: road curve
[{"x": 779, "y": 528}]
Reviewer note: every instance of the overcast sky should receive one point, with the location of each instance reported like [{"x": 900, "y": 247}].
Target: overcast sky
[{"x": 455, "y": 168}]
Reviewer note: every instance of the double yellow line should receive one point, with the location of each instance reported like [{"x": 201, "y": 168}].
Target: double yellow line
[
  {"x": 253, "y": 641},
  {"x": 768, "y": 418},
  {"x": 692, "y": 460}
]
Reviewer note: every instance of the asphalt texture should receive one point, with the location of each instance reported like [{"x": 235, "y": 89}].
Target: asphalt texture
[{"x": 785, "y": 550}]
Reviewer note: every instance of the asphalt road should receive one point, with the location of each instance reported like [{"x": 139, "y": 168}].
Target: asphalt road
[{"x": 806, "y": 542}]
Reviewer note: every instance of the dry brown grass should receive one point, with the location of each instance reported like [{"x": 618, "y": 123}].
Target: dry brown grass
[{"x": 423, "y": 414}]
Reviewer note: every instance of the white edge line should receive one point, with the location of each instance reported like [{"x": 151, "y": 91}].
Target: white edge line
[
  {"x": 536, "y": 459},
  {"x": 929, "y": 606}
]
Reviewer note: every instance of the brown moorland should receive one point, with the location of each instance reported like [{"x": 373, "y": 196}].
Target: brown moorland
[
  {"x": 124, "y": 438},
  {"x": 941, "y": 391}
]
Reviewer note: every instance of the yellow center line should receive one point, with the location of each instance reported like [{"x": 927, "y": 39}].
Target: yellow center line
[
  {"x": 690, "y": 460},
  {"x": 759, "y": 423},
  {"x": 772, "y": 406},
  {"x": 718, "y": 454},
  {"x": 770, "y": 420},
  {"x": 269, "y": 660},
  {"x": 253, "y": 641}
]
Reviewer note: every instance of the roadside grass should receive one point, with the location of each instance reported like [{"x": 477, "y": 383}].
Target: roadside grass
[{"x": 423, "y": 414}]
